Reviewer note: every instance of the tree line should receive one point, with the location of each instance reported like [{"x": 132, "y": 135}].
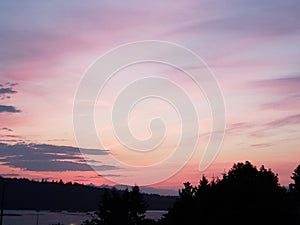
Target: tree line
[
  {"x": 243, "y": 195},
  {"x": 25, "y": 194}
]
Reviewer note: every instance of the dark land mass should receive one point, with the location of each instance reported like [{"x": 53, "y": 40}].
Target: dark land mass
[
  {"x": 24, "y": 194},
  {"x": 244, "y": 195}
]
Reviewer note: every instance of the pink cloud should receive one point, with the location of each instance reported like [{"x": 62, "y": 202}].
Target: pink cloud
[{"x": 285, "y": 104}]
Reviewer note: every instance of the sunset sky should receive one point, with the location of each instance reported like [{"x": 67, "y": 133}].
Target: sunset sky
[{"x": 252, "y": 47}]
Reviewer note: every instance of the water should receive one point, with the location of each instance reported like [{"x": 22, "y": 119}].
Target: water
[{"x": 28, "y": 217}]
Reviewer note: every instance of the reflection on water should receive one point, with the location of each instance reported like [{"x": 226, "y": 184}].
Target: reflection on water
[{"x": 29, "y": 217}]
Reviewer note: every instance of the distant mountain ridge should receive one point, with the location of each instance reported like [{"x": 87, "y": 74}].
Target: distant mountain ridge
[
  {"x": 146, "y": 190},
  {"x": 24, "y": 194}
]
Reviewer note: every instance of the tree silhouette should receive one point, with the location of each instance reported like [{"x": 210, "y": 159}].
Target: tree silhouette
[
  {"x": 246, "y": 192},
  {"x": 182, "y": 210},
  {"x": 295, "y": 187},
  {"x": 294, "y": 196},
  {"x": 117, "y": 207},
  {"x": 136, "y": 206},
  {"x": 244, "y": 195}
]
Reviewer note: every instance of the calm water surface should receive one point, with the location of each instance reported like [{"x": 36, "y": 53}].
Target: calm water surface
[{"x": 23, "y": 217}]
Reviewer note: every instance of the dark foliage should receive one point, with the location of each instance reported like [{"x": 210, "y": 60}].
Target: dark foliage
[
  {"x": 24, "y": 194},
  {"x": 295, "y": 187},
  {"x": 244, "y": 195},
  {"x": 126, "y": 208}
]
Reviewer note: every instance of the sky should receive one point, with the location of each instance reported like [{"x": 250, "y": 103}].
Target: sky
[{"x": 252, "y": 48}]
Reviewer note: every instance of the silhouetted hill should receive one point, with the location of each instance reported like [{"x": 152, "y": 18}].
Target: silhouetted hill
[
  {"x": 25, "y": 194},
  {"x": 147, "y": 190}
]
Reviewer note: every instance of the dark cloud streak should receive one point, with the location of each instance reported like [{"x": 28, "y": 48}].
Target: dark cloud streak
[
  {"x": 5, "y": 93},
  {"x": 7, "y": 129},
  {"x": 42, "y": 157},
  {"x": 9, "y": 175},
  {"x": 9, "y": 109}
]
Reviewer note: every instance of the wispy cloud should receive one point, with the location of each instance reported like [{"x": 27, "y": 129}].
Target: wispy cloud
[
  {"x": 278, "y": 86},
  {"x": 268, "y": 129},
  {"x": 11, "y": 136},
  {"x": 261, "y": 145},
  {"x": 238, "y": 128},
  {"x": 285, "y": 121},
  {"x": 7, "y": 129},
  {"x": 291, "y": 102},
  {"x": 9, "y": 175}
]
